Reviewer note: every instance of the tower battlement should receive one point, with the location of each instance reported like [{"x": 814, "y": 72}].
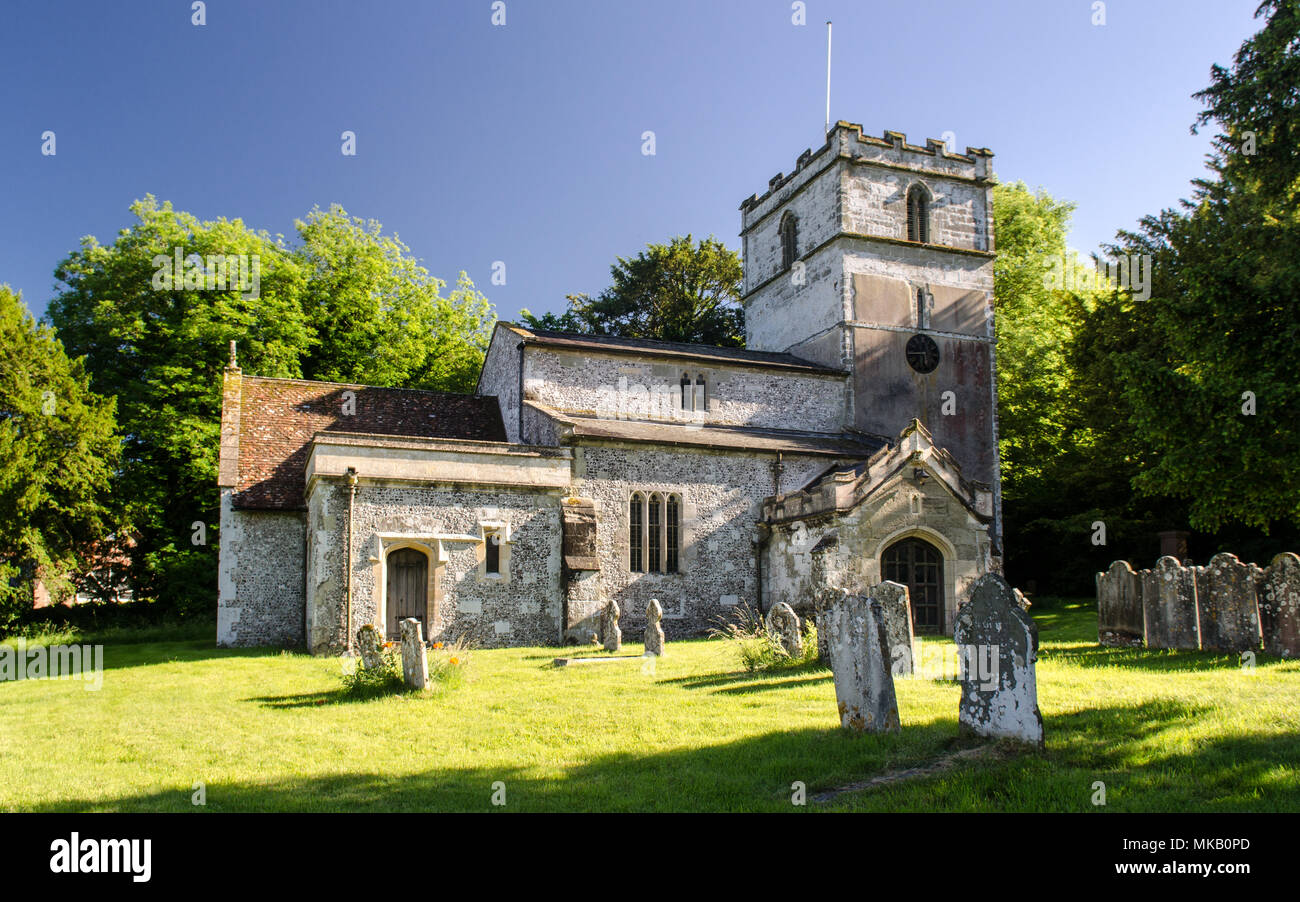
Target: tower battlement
[{"x": 847, "y": 141}]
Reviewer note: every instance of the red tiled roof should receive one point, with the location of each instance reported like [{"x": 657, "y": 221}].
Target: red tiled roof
[{"x": 278, "y": 418}]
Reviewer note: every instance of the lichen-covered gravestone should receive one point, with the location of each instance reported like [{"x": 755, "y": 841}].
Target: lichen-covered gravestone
[
  {"x": 783, "y": 623},
  {"x": 1168, "y": 593},
  {"x": 611, "y": 635},
  {"x": 1229, "y": 611},
  {"x": 859, "y": 653},
  {"x": 415, "y": 666},
  {"x": 654, "y": 633},
  {"x": 1279, "y": 606},
  {"x": 1119, "y": 607},
  {"x": 368, "y": 646},
  {"x": 897, "y": 608},
  {"x": 997, "y": 643}
]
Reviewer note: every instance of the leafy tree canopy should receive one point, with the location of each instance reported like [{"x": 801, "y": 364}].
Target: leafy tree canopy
[
  {"x": 60, "y": 447},
  {"x": 680, "y": 291}
]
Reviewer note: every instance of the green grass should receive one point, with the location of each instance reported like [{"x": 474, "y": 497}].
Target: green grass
[{"x": 271, "y": 731}]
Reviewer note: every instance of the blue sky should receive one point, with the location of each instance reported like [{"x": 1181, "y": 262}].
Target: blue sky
[{"x": 522, "y": 143}]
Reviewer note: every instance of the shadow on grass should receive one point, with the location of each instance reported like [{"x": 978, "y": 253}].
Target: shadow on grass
[
  {"x": 709, "y": 681},
  {"x": 1152, "y": 660},
  {"x": 1119, "y": 744}
]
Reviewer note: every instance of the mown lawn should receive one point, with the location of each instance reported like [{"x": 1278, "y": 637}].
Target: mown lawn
[{"x": 270, "y": 731}]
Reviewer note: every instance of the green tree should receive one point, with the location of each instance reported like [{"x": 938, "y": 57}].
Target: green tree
[
  {"x": 679, "y": 291},
  {"x": 159, "y": 348},
  {"x": 60, "y": 447},
  {"x": 1211, "y": 381},
  {"x": 377, "y": 315},
  {"x": 347, "y": 304}
]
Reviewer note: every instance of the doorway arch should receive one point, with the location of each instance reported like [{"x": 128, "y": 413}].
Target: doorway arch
[{"x": 917, "y": 564}]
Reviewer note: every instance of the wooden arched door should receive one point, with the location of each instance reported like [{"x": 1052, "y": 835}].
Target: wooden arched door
[
  {"x": 918, "y": 565},
  {"x": 408, "y": 589}
]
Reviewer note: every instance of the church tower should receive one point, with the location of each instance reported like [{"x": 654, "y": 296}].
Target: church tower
[{"x": 876, "y": 256}]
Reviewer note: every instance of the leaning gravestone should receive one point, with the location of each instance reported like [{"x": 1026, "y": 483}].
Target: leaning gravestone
[
  {"x": 783, "y": 623},
  {"x": 1279, "y": 606},
  {"x": 897, "y": 608},
  {"x": 859, "y": 653},
  {"x": 1229, "y": 612},
  {"x": 368, "y": 646},
  {"x": 997, "y": 642},
  {"x": 611, "y": 635},
  {"x": 415, "y": 666},
  {"x": 1119, "y": 607},
  {"x": 1168, "y": 593},
  {"x": 654, "y": 632}
]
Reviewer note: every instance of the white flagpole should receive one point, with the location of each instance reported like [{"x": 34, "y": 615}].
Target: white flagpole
[{"x": 828, "y": 76}]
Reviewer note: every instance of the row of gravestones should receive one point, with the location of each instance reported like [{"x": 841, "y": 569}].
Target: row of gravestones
[
  {"x": 611, "y": 636},
  {"x": 1227, "y": 605},
  {"x": 867, "y": 639}
]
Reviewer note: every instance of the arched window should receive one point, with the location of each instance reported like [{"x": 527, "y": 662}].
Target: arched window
[
  {"x": 688, "y": 399},
  {"x": 789, "y": 240},
  {"x": 672, "y": 531},
  {"x": 635, "y": 533},
  {"x": 492, "y": 552},
  {"x": 701, "y": 393},
  {"x": 918, "y": 565},
  {"x": 918, "y": 214},
  {"x": 655, "y": 542}
]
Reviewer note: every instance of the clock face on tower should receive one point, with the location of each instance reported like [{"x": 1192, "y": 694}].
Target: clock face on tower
[{"x": 922, "y": 353}]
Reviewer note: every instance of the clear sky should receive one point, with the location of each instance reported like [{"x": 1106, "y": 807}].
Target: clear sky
[{"x": 522, "y": 143}]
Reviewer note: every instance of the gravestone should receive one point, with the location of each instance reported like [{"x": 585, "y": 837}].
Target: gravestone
[
  {"x": 368, "y": 646},
  {"x": 1279, "y": 606},
  {"x": 997, "y": 643},
  {"x": 1226, "y": 604},
  {"x": 415, "y": 666},
  {"x": 610, "y": 634},
  {"x": 824, "y": 575},
  {"x": 654, "y": 632},
  {"x": 783, "y": 623},
  {"x": 859, "y": 654},
  {"x": 1119, "y": 607},
  {"x": 1168, "y": 593},
  {"x": 897, "y": 608}
]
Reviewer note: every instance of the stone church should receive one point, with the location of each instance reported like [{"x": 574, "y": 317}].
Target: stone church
[{"x": 861, "y": 418}]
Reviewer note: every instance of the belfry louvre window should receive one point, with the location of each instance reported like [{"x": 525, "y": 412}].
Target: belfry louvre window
[
  {"x": 654, "y": 533},
  {"x": 918, "y": 215},
  {"x": 789, "y": 232}
]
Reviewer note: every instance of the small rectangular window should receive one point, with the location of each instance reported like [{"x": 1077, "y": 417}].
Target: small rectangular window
[{"x": 492, "y": 552}]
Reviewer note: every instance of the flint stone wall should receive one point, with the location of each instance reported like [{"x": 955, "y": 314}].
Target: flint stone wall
[
  {"x": 722, "y": 494},
  {"x": 260, "y": 576},
  {"x": 522, "y": 606}
]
